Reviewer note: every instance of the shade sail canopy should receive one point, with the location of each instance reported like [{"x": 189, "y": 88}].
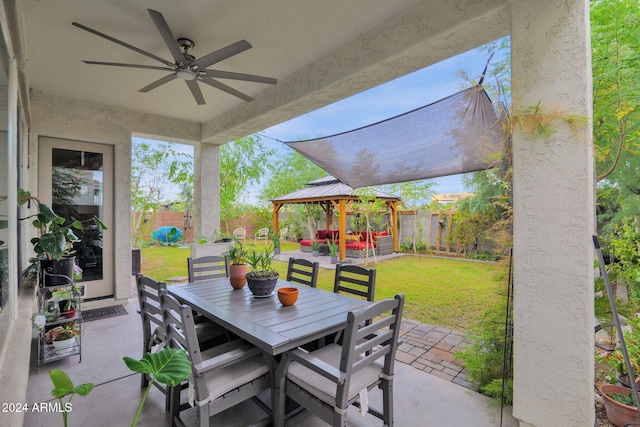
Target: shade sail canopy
[{"x": 457, "y": 134}]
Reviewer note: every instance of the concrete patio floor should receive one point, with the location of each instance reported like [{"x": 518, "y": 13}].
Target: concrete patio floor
[{"x": 421, "y": 399}]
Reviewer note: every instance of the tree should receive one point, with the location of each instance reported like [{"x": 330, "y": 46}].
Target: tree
[
  {"x": 292, "y": 172},
  {"x": 154, "y": 168},
  {"x": 242, "y": 163},
  {"x": 616, "y": 109}
]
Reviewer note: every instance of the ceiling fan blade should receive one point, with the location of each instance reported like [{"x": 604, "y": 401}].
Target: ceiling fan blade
[
  {"x": 223, "y": 87},
  {"x": 239, "y": 76},
  {"x": 118, "y": 64},
  {"x": 160, "y": 82},
  {"x": 195, "y": 91},
  {"x": 121, "y": 43},
  {"x": 221, "y": 54},
  {"x": 167, "y": 36}
]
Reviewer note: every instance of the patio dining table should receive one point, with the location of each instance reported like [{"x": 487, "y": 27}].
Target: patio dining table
[{"x": 265, "y": 322}]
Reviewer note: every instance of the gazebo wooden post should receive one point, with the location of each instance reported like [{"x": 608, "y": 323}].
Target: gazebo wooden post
[
  {"x": 276, "y": 219},
  {"x": 342, "y": 229},
  {"x": 394, "y": 224}
]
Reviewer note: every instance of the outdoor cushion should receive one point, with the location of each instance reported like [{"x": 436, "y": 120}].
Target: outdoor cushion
[
  {"x": 305, "y": 242},
  {"x": 324, "y": 388},
  {"x": 333, "y": 235},
  {"x": 359, "y": 245},
  {"x": 322, "y": 234},
  {"x": 234, "y": 375}
]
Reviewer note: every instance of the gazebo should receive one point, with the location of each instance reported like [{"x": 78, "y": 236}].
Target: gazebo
[{"x": 331, "y": 194}]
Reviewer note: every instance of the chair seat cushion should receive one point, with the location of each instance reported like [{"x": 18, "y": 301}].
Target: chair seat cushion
[
  {"x": 361, "y": 245},
  {"x": 324, "y": 388},
  {"x": 223, "y": 380}
]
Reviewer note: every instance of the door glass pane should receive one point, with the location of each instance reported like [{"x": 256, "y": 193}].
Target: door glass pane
[{"x": 77, "y": 189}]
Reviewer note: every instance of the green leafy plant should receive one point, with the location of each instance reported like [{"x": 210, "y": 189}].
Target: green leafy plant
[
  {"x": 625, "y": 399},
  {"x": 616, "y": 360},
  {"x": 55, "y": 239},
  {"x": 261, "y": 263},
  {"x": 62, "y": 332},
  {"x": 275, "y": 239},
  {"x": 315, "y": 246},
  {"x": 235, "y": 254},
  {"x": 168, "y": 366},
  {"x": 63, "y": 387},
  {"x": 624, "y": 247},
  {"x": 484, "y": 357},
  {"x": 333, "y": 248}
]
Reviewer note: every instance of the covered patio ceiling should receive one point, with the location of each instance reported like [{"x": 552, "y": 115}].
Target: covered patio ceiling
[{"x": 319, "y": 52}]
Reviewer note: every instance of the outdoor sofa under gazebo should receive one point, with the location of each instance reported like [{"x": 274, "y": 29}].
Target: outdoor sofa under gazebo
[{"x": 332, "y": 194}]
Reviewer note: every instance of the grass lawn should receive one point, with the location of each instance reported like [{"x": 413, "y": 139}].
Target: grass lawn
[{"x": 446, "y": 292}]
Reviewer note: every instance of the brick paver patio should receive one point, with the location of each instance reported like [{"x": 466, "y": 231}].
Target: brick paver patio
[{"x": 432, "y": 349}]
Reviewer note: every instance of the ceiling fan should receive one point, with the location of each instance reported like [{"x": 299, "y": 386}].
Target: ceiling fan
[{"x": 186, "y": 66}]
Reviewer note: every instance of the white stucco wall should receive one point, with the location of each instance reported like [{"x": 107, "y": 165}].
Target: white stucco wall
[
  {"x": 206, "y": 187},
  {"x": 554, "y": 216},
  {"x": 83, "y": 121}
]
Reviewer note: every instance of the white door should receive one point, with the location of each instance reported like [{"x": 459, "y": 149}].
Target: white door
[{"x": 76, "y": 179}]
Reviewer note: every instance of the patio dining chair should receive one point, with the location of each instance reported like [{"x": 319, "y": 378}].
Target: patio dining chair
[
  {"x": 328, "y": 380},
  {"x": 283, "y": 233},
  {"x": 303, "y": 271},
  {"x": 153, "y": 328},
  {"x": 222, "y": 377},
  {"x": 240, "y": 234},
  {"x": 355, "y": 280},
  {"x": 262, "y": 234},
  {"x": 207, "y": 267}
]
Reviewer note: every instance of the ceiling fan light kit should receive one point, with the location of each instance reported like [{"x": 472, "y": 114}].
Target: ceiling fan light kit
[{"x": 185, "y": 65}]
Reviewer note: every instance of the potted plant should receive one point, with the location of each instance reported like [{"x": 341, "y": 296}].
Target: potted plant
[
  {"x": 619, "y": 404},
  {"x": 262, "y": 278},
  {"x": 615, "y": 359},
  {"x": 315, "y": 248},
  {"x": 69, "y": 309},
  {"x": 275, "y": 238},
  {"x": 333, "y": 251},
  {"x": 54, "y": 244},
  {"x": 238, "y": 267},
  {"x": 63, "y": 337}
]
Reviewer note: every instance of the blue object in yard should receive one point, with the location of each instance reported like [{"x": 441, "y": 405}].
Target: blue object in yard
[{"x": 167, "y": 234}]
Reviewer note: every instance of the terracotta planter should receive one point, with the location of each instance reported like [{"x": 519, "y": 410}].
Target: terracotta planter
[
  {"x": 236, "y": 275},
  {"x": 288, "y": 296},
  {"x": 618, "y": 413}
]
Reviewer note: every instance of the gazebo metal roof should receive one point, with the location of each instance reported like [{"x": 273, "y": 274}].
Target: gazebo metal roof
[{"x": 327, "y": 188}]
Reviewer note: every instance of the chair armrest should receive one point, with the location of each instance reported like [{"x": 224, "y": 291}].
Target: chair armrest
[
  {"x": 317, "y": 365},
  {"x": 225, "y": 358}
]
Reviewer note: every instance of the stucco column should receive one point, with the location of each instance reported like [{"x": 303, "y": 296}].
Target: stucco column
[
  {"x": 553, "y": 189},
  {"x": 206, "y": 190}
]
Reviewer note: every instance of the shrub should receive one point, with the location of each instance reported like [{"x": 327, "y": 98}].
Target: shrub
[{"x": 484, "y": 358}]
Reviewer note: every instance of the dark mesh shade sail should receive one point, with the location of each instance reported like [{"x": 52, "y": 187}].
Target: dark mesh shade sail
[{"x": 457, "y": 134}]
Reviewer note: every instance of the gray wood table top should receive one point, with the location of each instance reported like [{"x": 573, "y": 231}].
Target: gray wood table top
[{"x": 265, "y": 322}]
